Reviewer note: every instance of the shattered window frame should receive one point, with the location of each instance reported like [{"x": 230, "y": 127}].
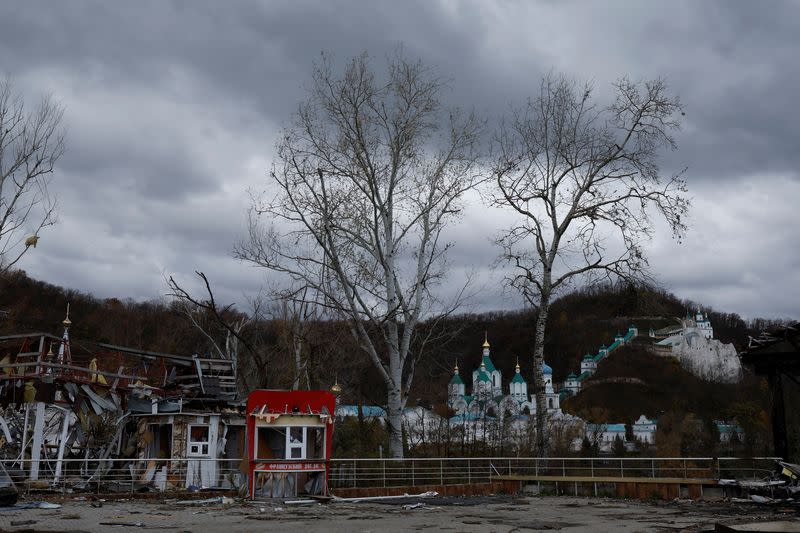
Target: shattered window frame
[
  {"x": 202, "y": 447},
  {"x": 300, "y": 444}
]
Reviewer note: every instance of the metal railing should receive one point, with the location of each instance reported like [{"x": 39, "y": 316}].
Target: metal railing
[
  {"x": 135, "y": 475},
  {"x": 411, "y": 472},
  {"x": 126, "y": 475}
]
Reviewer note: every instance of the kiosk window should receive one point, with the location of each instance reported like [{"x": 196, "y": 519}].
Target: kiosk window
[
  {"x": 271, "y": 443},
  {"x": 291, "y": 443},
  {"x": 315, "y": 437},
  {"x": 297, "y": 438}
]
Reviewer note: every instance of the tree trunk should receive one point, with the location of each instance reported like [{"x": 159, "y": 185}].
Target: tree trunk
[
  {"x": 297, "y": 346},
  {"x": 395, "y": 404},
  {"x": 395, "y": 421},
  {"x": 538, "y": 368}
]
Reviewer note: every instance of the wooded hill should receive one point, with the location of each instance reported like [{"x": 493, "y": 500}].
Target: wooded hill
[{"x": 579, "y": 323}]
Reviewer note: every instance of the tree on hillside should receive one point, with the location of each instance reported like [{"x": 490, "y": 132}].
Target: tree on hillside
[
  {"x": 581, "y": 177},
  {"x": 368, "y": 174},
  {"x": 222, "y": 326},
  {"x": 31, "y": 141}
]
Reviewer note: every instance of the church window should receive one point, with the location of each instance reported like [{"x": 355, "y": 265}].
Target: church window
[{"x": 550, "y": 403}]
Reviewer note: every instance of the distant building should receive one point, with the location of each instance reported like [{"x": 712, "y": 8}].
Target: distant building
[
  {"x": 694, "y": 345},
  {"x": 590, "y": 362},
  {"x": 728, "y": 429},
  {"x": 488, "y": 400},
  {"x": 604, "y": 435},
  {"x": 644, "y": 430}
]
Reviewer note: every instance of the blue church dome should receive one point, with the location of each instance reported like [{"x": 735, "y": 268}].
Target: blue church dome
[{"x": 546, "y": 369}]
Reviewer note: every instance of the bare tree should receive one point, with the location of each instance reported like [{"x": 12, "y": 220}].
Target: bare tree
[
  {"x": 582, "y": 177},
  {"x": 296, "y": 311},
  {"x": 368, "y": 175},
  {"x": 211, "y": 319},
  {"x": 31, "y": 141}
]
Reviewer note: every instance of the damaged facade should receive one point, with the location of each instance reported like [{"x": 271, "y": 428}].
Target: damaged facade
[{"x": 93, "y": 414}]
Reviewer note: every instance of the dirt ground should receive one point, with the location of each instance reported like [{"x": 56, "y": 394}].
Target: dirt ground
[{"x": 493, "y": 513}]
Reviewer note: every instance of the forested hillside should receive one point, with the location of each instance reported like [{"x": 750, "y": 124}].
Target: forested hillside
[{"x": 580, "y": 323}]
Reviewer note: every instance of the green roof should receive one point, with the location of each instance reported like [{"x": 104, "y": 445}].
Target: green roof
[
  {"x": 489, "y": 364},
  {"x": 468, "y": 398},
  {"x": 584, "y": 376},
  {"x": 483, "y": 376},
  {"x": 588, "y": 357},
  {"x": 456, "y": 380},
  {"x": 571, "y": 376},
  {"x": 517, "y": 378}
]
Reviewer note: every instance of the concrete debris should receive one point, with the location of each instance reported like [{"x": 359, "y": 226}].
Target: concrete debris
[
  {"x": 783, "y": 485},
  {"x": 410, "y": 506}
]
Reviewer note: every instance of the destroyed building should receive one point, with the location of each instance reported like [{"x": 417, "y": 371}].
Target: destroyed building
[{"x": 86, "y": 413}]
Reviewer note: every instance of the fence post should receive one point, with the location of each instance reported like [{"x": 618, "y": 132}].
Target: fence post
[
  {"x": 441, "y": 472},
  {"x": 653, "y": 468},
  {"x": 591, "y": 469},
  {"x": 621, "y": 468},
  {"x": 563, "y": 468},
  {"x": 383, "y": 468},
  {"x": 685, "y": 475},
  {"x": 469, "y": 471},
  {"x": 355, "y": 474},
  {"x": 412, "y": 473}
]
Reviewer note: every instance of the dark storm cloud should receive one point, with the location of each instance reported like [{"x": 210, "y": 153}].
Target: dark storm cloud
[{"x": 173, "y": 109}]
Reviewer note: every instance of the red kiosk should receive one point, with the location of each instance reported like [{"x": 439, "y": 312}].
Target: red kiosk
[{"x": 290, "y": 441}]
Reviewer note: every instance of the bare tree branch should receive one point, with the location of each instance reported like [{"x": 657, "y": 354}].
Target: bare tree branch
[
  {"x": 368, "y": 175},
  {"x": 31, "y": 141},
  {"x": 579, "y": 175}
]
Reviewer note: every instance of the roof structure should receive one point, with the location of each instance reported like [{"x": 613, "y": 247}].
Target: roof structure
[{"x": 776, "y": 354}]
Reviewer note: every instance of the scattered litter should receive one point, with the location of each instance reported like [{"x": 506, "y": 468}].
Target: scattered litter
[
  {"x": 22, "y": 522},
  {"x": 298, "y": 502},
  {"x": 410, "y": 506},
  {"x": 31, "y": 505},
  {"x": 96, "y": 504},
  {"x": 761, "y": 499},
  {"x": 224, "y": 500},
  {"x": 130, "y": 524}
]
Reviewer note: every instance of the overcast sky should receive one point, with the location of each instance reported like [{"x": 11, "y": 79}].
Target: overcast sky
[{"x": 173, "y": 108}]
